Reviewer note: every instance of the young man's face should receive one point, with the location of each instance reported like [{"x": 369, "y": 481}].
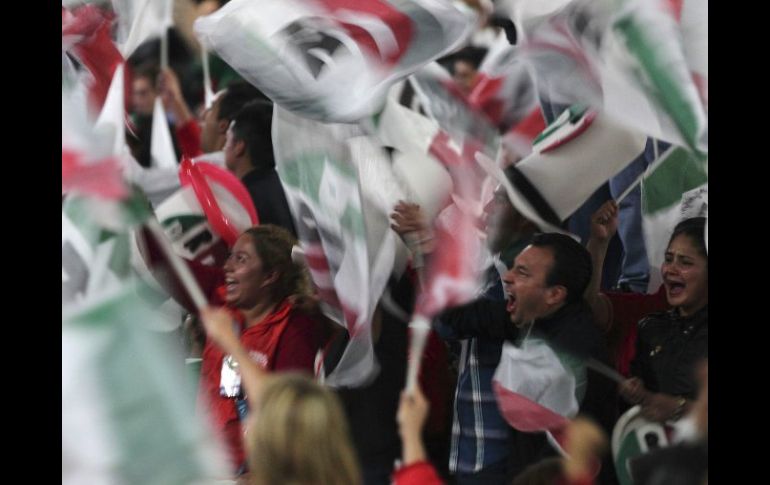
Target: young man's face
[
  {"x": 143, "y": 96},
  {"x": 528, "y": 295},
  {"x": 464, "y": 75}
]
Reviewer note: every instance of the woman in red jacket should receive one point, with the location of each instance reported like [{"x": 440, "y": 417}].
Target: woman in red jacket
[
  {"x": 258, "y": 280},
  {"x": 265, "y": 292}
]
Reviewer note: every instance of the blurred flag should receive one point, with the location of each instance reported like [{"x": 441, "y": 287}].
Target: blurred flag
[
  {"x": 128, "y": 409},
  {"x": 332, "y": 60},
  {"x": 318, "y": 166}
]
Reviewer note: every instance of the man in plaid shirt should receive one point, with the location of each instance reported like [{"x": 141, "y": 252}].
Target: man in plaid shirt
[{"x": 481, "y": 439}]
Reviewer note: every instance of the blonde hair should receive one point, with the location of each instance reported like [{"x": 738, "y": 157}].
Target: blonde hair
[{"x": 300, "y": 436}]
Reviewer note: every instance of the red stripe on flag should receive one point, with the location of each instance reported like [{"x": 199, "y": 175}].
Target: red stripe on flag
[
  {"x": 399, "y": 23},
  {"x": 702, "y": 85},
  {"x": 585, "y": 123},
  {"x": 97, "y": 52},
  {"x": 440, "y": 149},
  {"x": 102, "y": 178},
  {"x": 674, "y": 7},
  {"x": 531, "y": 126},
  {"x": 524, "y": 414},
  {"x": 317, "y": 262},
  {"x": 351, "y": 317},
  {"x": 483, "y": 97}
]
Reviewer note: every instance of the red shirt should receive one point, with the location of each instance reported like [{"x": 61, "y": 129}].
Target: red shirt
[
  {"x": 627, "y": 310},
  {"x": 189, "y": 137},
  {"x": 284, "y": 340},
  {"x": 420, "y": 473}
]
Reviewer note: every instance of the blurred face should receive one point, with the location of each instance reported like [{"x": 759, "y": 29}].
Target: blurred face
[
  {"x": 464, "y": 76},
  {"x": 245, "y": 279},
  {"x": 501, "y": 221},
  {"x": 525, "y": 286},
  {"x": 685, "y": 276},
  {"x": 211, "y": 128},
  {"x": 143, "y": 96}
]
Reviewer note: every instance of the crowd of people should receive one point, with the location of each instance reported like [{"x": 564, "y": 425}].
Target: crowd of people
[{"x": 263, "y": 336}]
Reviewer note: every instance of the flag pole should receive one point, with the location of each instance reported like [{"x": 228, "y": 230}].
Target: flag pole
[
  {"x": 180, "y": 268},
  {"x": 208, "y": 94},
  {"x": 420, "y": 327},
  {"x": 164, "y": 36},
  {"x": 641, "y": 176},
  {"x": 164, "y": 49}
]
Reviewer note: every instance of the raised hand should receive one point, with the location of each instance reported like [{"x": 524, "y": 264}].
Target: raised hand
[{"x": 604, "y": 222}]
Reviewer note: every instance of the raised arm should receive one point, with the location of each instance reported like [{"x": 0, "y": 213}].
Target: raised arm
[{"x": 604, "y": 225}]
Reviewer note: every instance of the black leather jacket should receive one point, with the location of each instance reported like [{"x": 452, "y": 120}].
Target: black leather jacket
[{"x": 668, "y": 348}]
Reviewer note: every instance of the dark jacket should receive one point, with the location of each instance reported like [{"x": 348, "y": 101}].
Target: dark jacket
[
  {"x": 269, "y": 198},
  {"x": 668, "y": 348},
  {"x": 570, "y": 329}
]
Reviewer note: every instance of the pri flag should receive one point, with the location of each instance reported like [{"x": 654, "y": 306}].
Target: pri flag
[
  {"x": 628, "y": 59},
  {"x": 539, "y": 387},
  {"x": 332, "y": 60},
  {"x": 96, "y": 246},
  {"x": 505, "y": 91},
  {"x": 128, "y": 413},
  {"x": 162, "y": 153},
  {"x": 573, "y": 157},
  {"x": 319, "y": 168},
  {"x": 86, "y": 35}
]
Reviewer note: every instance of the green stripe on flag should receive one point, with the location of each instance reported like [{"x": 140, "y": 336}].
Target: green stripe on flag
[
  {"x": 677, "y": 173},
  {"x": 353, "y": 221},
  {"x": 148, "y": 397},
  {"x": 120, "y": 259},
  {"x": 305, "y": 173},
  {"x": 668, "y": 88}
]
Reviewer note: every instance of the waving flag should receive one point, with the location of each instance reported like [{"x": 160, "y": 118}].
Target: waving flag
[
  {"x": 577, "y": 153},
  {"x": 141, "y": 20},
  {"x": 162, "y": 153},
  {"x": 627, "y": 59},
  {"x": 538, "y": 388},
  {"x": 693, "y": 18},
  {"x": 128, "y": 413},
  {"x": 96, "y": 250},
  {"x": 158, "y": 183},
  {"x": 519, "y": 139},
  {"x": 86, "y": 35},
  {"x": 111, "y": 123},
  {"x": 452, "y": 138},
  {"x": 528, "y": 14},
  {"x": 318, "y": 167},
  {"x": 654, "y": 41},
  {"x": 101, "y": 178},
  {"x": 332, "y": 60},
  {"x": 505, "y": 91},
  {"x": 466, "y": 125},
  {"x": 88, "y": 167}
]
